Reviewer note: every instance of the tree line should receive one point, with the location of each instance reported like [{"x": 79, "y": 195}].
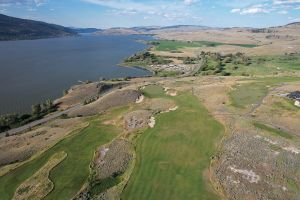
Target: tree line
[{"x": 38, "y": 111}]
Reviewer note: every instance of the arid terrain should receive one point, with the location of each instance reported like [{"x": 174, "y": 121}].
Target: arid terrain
[{"x": 219, "y": 119}]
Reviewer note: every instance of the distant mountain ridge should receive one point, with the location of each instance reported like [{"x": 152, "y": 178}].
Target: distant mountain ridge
[
  {"x": 12, "y": 28},
  {"x": 85, "y": 30},
  {"x": 149, "y": 29}
]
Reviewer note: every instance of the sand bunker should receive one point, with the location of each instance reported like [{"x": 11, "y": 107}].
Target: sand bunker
[
  {"x": 151, "y": 122},
  {"x": 297, "y": 103},
  {"x": 248, "y": 175},
  {"x": 140, "y": 99},
  {"x": 171, "y": 93},
  {"x": 292, "y": 150},
  {"x": 166, "y": 89},
  {"x": 170, "y": 109}
]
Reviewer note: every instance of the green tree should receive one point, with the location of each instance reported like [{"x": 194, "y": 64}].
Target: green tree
[{"x": 36, "y": 109}]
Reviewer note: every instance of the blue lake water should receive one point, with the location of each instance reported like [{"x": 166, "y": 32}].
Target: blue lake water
[{"x": 35, "y": 70}]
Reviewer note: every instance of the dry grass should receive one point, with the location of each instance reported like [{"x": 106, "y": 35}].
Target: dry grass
[
  {"x": 18, "y": 148},
  {"x": 282, "y": 40},
  {"x": 114, "y": 99},
  {"x": 77, "y": 94},
  {"x": 280, "y": 111},
  {"x": 39, "y": 185}
]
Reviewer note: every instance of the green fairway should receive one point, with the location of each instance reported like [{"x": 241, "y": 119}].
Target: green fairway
[
  {"x": 282, "y": 62},
  {"x": 69, "y": 176},
  {"x": 251, "y": 93},
  {"x": 266, "y": 65},
  {"x": 173, "y": 156},
  {"x": 170, "y": 45},
  {"x": 274, "y": 131}
]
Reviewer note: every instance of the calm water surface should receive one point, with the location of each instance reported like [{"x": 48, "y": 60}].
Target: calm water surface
[{"x": 33, "y": 71}]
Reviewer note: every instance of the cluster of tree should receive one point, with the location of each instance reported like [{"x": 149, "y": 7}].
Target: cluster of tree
[
  {"x": 189, "y": 60},
  {"x": 215, "y": 63},
  {"x": 90, "y": 100},
  {"x": 263, "y": 30},
  {"x": 10, "y": 121},
  {"x": 147, "y": 58},
  {"x": 217, "y": 68},
  {"x": 155, "y": 43}
]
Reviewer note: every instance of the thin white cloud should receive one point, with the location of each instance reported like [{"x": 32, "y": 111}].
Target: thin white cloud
[
  {"x": 282, "y": 2},
  {"x": 281, "y": 7},
  {"x": 283, "y": 12},
  {"x": 255, "y": 9},
  {"x": 36, "y": 3},
  {"x": 189, "y": 2},
  {"x": 236, "y": 10},
  {"x": 168, "y": 10}
]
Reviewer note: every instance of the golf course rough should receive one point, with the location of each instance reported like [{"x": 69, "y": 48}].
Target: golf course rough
[
  {"x": 69, "y": 175},
  {"x": 173, "y": 157},
  {"x": 39, "y": 185}
]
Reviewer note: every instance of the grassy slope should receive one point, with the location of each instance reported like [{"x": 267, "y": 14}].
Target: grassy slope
[
  {"x": 267, "y": 65},
  {"x": 173, "y": 156},
  {"x": 68, "y": 176},
  {"x": 251, "y": 93},
  {"x": 274, "y": 131},
  {"x": 169, "y": 45}
]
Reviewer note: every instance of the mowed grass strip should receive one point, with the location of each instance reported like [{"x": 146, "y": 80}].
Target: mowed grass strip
[
  {"x": 272, "y": 130},
  {"x": 173, "y": 156},
  {"x": 171, "y": 45},
  {"x": 68, "y": 176},
  {"x": 251, "y": 93}
]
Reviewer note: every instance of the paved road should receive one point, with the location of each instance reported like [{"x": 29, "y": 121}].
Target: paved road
[
  {"x": 41, "y": 121},
  {"x": 52, "y": 116}
]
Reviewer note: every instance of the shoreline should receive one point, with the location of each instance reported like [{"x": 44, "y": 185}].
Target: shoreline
[
  {"x": 57, "y": 113},
  {"x": 103, "y": 66}
]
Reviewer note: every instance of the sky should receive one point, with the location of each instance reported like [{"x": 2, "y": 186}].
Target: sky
[{"x": 131, "y": 13}]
